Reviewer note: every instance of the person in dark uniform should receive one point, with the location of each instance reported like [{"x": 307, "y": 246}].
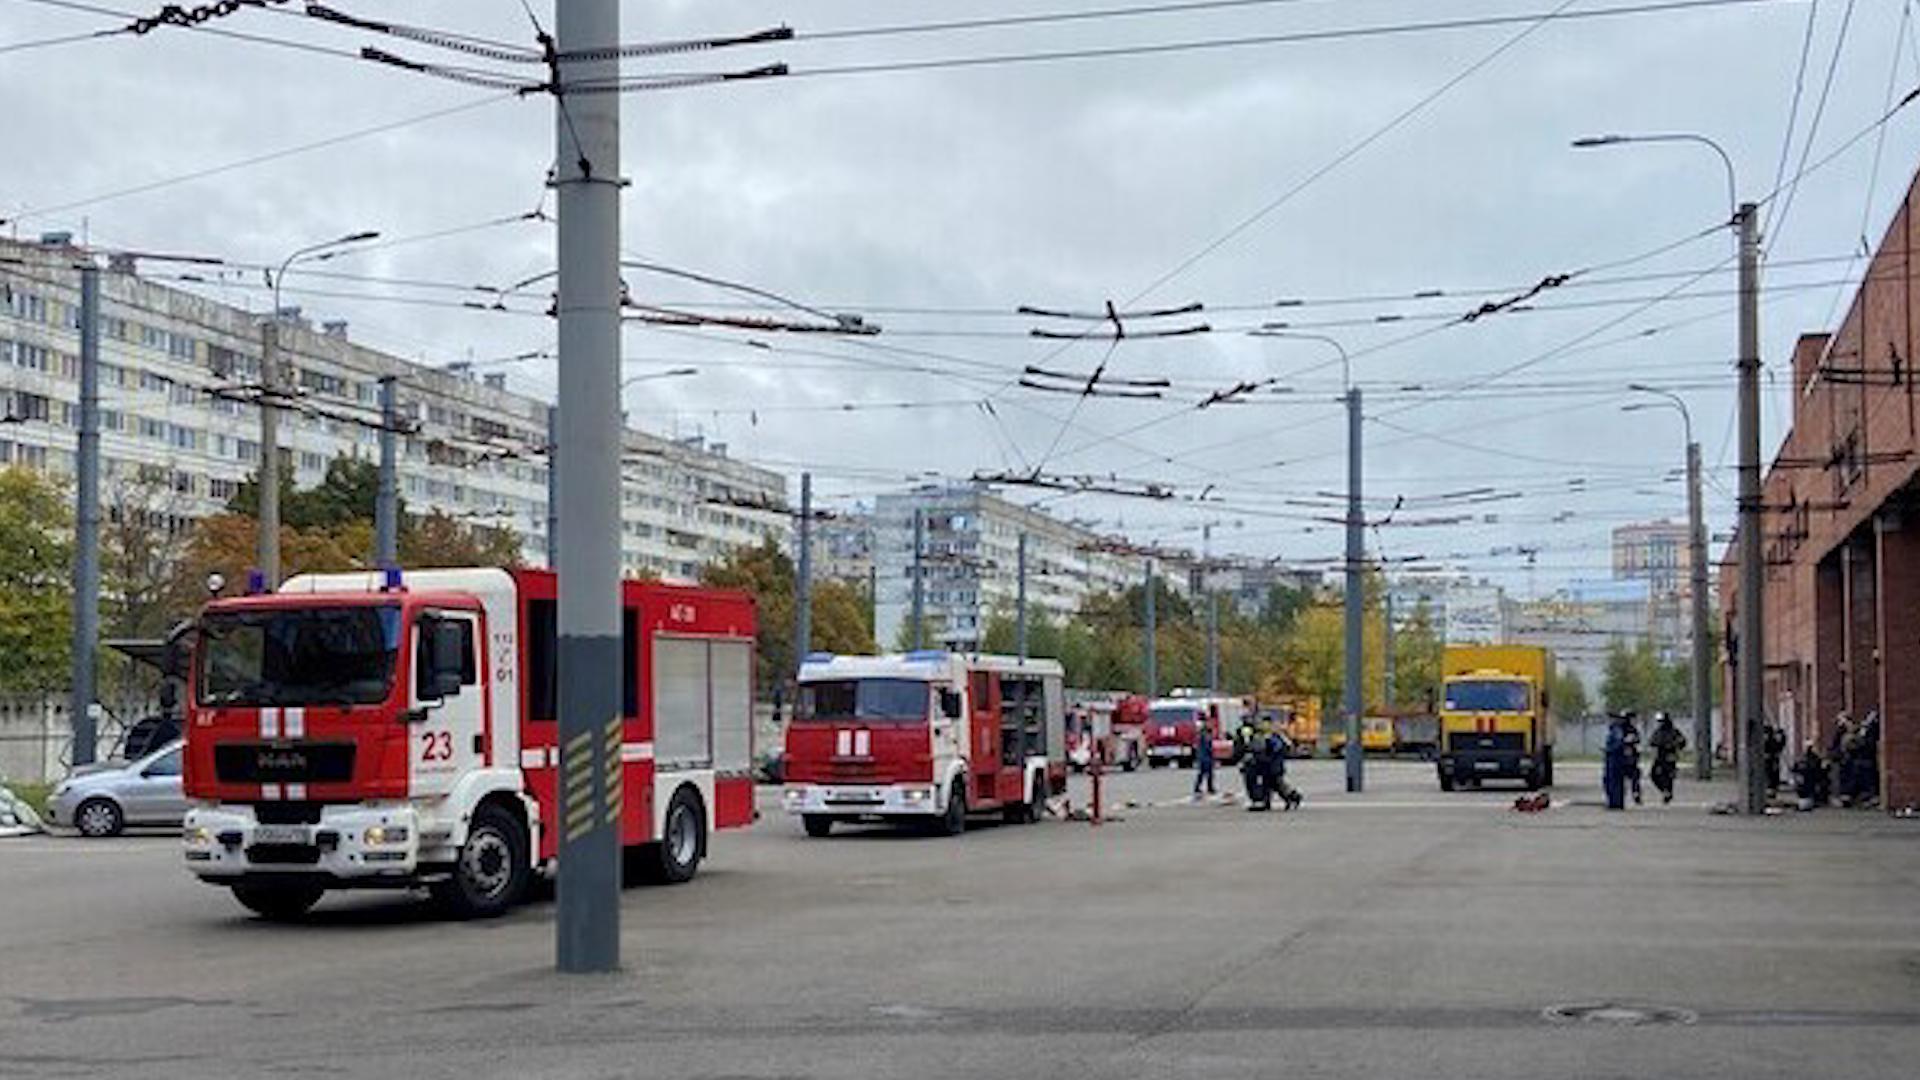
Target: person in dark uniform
[
  {"x": 1773, "y": 747},
  {"x": 1203, "y": 755},
  {"x": 1247, "y": 741},
  {"x": 1630, "y": 752},
  {"x": 1276, "y": 749},
  {"x": 1867, "y": 782},
  {"x": 1613, "y": 774},
  {"x": 1667, "y": 742},
  {"x": 1810, "y": 782}
]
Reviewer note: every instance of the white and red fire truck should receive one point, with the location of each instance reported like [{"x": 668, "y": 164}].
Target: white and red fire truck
[
  {"x": 1173, "y": 723},
  {"x": 372, "y": 730},
  {"x": 925, "y": 736}
]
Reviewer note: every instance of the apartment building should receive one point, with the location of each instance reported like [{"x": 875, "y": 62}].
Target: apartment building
[
  {"x": 178, "y": 370},
  {"x": 970, "y": 559}
]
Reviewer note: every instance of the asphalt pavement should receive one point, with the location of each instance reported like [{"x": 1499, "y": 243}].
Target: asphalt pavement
[{"x": 1400, "y": 932}]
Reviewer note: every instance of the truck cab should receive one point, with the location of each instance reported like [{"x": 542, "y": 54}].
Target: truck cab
[
  {"x": 330, "y": 735},
  {"x": 1496, "y": 716},
  {"x": 927, "y": 736}
]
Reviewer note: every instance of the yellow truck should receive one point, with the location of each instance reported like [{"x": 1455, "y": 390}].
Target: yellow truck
[
  {"x": 1496, "y": 715},
  {"x": 1298, "y": 718},
  {"x": 1376, "y": 736}
]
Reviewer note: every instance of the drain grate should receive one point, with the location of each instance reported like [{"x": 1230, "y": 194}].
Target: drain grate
[{"x": 1616, "y": 1014}]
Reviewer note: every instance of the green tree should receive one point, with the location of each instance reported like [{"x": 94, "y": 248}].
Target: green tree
[
  {"x": 1569, "y": 695},
  {"x": 839, "y": 622},
  {"x": 1417, "y": 651},
  {"x": 36, "y": 557},
  {"x": 1636, "y": 678}
]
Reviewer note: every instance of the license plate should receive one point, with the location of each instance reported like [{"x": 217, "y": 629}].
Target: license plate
[
  {"x": 1486, "y": 766},
  {"x": 863, "y": 798},
  {"x": 280, "y": 834}
]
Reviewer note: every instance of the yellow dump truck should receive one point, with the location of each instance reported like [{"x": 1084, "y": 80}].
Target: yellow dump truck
[
  {"x": 1496, "y": 715},
  {"x": 1298, "y": 718}
]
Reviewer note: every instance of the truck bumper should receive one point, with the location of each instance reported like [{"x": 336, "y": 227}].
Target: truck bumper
[
  {"x": 862, "y": 800},
  {"x": 1509, "y": 766},
  {"x": 352, "y": 846}
]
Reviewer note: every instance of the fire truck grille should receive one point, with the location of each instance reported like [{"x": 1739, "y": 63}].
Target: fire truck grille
[
  {"x": 287, "y": 813},
  {"x": 1470, "y": 742},
  {"x": 283, "y": 763},
  {"x": 284, "y": 854}
]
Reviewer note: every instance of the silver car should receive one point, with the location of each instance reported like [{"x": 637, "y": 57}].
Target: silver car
[{"x": 101, "y": 800}]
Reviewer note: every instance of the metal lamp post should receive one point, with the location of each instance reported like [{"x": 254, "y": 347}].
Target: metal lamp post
[
  {"x": 1355, "y": 664},
  {"x": 1697, "y": 582},
  {"x": 267, "y": 548},
  {"x": 1749, "y": 645}
]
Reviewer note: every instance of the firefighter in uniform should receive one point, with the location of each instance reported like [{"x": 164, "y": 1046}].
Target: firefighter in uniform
[{"x": 1667, "y": 742}]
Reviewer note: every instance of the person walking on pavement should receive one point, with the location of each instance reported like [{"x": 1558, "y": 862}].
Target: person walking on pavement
[
  {"x": 1245, "y": 744},
  {"x": 1630, "y": 738},
  {"x": 1613, "y": 774},
  {"x": 1203, "y": 756},
  {"x": 1667, "y": 743},
  {"x": 1278, "y": 749}
]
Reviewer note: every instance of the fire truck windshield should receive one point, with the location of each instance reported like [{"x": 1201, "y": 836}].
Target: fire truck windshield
[
  {"x": 900, "y": 700},
  {"x": 1487, "y": 695},
  {"x": 1174, "y": 714},
  {"x": 298, "y": 656}
]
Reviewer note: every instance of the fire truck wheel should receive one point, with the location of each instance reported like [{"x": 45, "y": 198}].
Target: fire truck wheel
[
  {"x": 676, "y": 857},
  {"x": 99, "y": 817},
  {"x": 490, "y": 873},
  {"x": 1546, "y": 770},
  {"x": 1446, "y": 780},
  {"x": 1132, "y": 762},
  {"x": 280, "y": 903},
  {"x": 955, "y": 821},
  {"x": 817, "y": 825},
  {"x": 1156, "y": 763}
]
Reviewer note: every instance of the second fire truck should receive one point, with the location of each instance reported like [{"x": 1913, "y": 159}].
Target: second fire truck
[{"x": 928, "y": 737}]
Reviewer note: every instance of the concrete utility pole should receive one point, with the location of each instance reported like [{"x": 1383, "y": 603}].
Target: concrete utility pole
[
  {"x": 1752, "y": 660},
  {"x": 803, "y": 576},
  {"x": 1702, "y": 642},
  {"x": 1386, "y": 682},
  {"x": 1020, "y": 604},
  {"x": 86, "y": 525},
  {"x": 919, "y": 586},
  {"x": 1151, "y": 639},
  {"x": 1213, "y": 608},
  {"x": 587, "y": 184},
  {"x": 553, "y": 488},
  {"x": 386, "y": 506},
  {"x": 1356, "y": 553}
]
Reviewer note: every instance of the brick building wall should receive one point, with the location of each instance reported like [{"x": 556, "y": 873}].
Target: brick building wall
[{"x": 1842, "y": 520}]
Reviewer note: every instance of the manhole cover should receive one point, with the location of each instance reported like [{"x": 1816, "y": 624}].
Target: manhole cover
[{"x": 1615, "y": 1014}]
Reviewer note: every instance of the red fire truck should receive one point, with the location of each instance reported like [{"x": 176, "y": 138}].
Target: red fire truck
[
  {"x": 375, "y": 730},
  {"x": 925, "y": 736}
]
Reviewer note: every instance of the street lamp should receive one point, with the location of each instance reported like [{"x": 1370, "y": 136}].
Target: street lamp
[
  {"x": 1696, "y": 577},
  {"x": 1356, "y": 556},
  {"x": 1748, "y": 646},
  {"x": 1595, "y": 142},
  {"x": 268, "y": 544}
]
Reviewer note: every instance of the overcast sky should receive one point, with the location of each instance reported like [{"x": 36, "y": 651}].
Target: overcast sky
[{"x": 935, "y": 202}]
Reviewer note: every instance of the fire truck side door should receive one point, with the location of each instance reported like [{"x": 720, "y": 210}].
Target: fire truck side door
[
  {"x": 983, "y": 750},
  {"x": 447, "y": 737}
]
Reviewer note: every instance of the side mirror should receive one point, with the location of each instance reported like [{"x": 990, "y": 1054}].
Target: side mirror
[
  {"x": 443, "y": 644},
  {"x": 950, "y": 703}
]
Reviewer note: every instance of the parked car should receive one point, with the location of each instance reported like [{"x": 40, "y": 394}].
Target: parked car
[{"x": 104, "y": 799}]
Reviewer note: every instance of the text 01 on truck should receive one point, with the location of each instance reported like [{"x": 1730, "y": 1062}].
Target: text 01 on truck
[
  {"x": 1496, "y": 715},
  {"x": 388, "y": 731},
  {"x": 925, "y": 736}
]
